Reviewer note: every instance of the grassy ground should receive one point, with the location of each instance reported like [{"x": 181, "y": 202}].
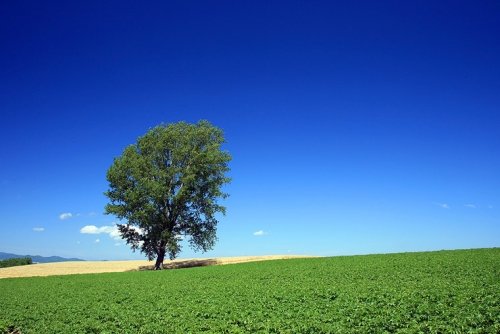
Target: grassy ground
[{"x": 436, "y": 292}]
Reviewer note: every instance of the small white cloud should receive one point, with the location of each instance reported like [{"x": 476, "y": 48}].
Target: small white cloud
[
  {"x": 115, "y": 234},
  {"x": 90, "y": 229},
  {"x": 112, "y": 231},
  {"x": 65, "y": 215},
  {"x": 471, "y": 206},
  {"x": 118, "y": 244},
  {"x": 97, "y": 241},
  {"x": 259, "y": 233},
  {"x": 137, "y": 229},
  {"x": 38, "y": 229},
  {"x": 443, "y": 205}
]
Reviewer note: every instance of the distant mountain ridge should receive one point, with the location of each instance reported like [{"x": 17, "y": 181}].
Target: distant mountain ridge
[{"x": 38, "y": 258}]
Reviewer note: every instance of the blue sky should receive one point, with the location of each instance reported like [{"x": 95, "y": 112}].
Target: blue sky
[{"x": 355, "y": 127}]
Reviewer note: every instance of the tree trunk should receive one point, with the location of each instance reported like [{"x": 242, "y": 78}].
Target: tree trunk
[{"x": 161, "y": 256}]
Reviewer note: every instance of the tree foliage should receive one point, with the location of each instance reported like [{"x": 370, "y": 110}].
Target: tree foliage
[
  {"x": 21, "y": 261},
  {"x": 167, "y": 186}
]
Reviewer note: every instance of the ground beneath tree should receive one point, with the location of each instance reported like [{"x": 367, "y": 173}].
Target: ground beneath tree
[{"x": 89, "y": 267}]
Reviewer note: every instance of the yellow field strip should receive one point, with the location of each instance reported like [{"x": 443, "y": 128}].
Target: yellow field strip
[{"x": 88, "y": 267}]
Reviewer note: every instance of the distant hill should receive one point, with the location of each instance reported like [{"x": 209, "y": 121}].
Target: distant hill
[{"x": 37, "y": 258}]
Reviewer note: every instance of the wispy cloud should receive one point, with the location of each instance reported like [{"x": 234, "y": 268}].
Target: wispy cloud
[
  {"x": 97, "y": 241},
  {"x": 259, "y": 233},
  {"x": 118, "y": 244},
  {"x": 443, "y": 205},
  {"x": 470, "y": 206},
  {"x": 38, "y": 229},
  {"x": 112, "y": 231},
  {"x": 65, "y": 215}
]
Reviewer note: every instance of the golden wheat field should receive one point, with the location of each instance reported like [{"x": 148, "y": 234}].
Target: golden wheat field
[{"x": 88, "y": 267}]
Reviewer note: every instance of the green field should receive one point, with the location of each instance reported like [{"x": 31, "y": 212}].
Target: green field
[{"x": 434, "y": 292}]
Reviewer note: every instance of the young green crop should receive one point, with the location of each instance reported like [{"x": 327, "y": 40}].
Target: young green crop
[{"x": 434, "y": 292}]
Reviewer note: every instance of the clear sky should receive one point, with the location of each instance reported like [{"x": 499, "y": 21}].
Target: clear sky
[{"x": 355, "y": 126}]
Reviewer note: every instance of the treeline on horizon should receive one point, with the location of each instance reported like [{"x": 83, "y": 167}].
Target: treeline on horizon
[{"x": 15, "y": 262}]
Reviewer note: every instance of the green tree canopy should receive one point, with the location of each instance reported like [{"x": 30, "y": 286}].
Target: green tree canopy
[{"x": 166, "y": 187}]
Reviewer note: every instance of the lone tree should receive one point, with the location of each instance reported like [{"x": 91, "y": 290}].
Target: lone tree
[{"x": 167, "y": 186}]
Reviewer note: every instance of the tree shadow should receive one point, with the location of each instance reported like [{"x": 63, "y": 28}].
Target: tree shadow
[{"x": 183, "y": 264}]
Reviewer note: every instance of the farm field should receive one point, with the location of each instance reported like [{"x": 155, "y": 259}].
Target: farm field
[
  {"x": 431, "y": 292},
  {"x": 92, "y": 267}
]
